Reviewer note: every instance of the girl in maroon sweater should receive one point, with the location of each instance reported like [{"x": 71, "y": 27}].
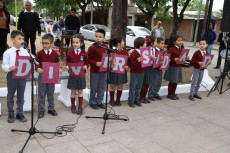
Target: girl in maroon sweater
[
  {"x": 76, "y": 55},
  {"x": 117, "y": 80},
  {"x": 151, "y": 41},
  {"x": 174, "y": 73}
]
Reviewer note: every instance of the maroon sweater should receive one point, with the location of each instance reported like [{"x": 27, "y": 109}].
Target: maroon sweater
[
  {"x": 196, "y": 58},
  {"x": 175, "y": 53},
  {"x": 95, "y": 55},
  {"x": 135, "y": 66},
  {"x": 43, "y": 57},
  {"x": 75, "y": 58}
]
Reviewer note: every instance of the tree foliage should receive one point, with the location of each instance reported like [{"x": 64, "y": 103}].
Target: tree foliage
[
  {"x": 102, "y": 7},
  {"x": 192, "y": 6},
  {"x": 83, "y": 4},
  {"x": 178, "y": 18},
  {"x": 10, "y": 4},
  {"x": 55, "y": 8},
  {"x": 151, "y": 7}
]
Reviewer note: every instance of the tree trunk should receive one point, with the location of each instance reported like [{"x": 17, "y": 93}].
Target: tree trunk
[
  {"x": 119, "y": 18},
  {"x": 149, "y": 21},
  {"x": 83, "y": 17},
  {"x": 205, "y": 17}
]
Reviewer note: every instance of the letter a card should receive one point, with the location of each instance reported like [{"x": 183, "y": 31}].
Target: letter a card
[
  {"x": 23, "y": 69},
  {"x": 183, "y": 56},
  {"x": 76, "y": 69},
  {"x": 145, "y": 57},
  {"x": 50, "y": 72}
]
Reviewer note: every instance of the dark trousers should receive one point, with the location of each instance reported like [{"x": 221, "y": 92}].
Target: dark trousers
[
  {"x": 3, "y": 39},
  {"x": 97, "y": 87},
  {"x": 219, "y": 58},
  {"x": 32, "y": 37},
  {"x": 43, "y": 90},
  {"x": 172, "y": 88},
  {"x": 14, "y": 85},
  {"x": 155, "y": 84},
  {"x": 136, "y": 81},
  {"x": 67, "y": 42}
]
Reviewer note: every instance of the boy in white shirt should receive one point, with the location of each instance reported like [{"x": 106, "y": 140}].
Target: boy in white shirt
[{"x": 13, "y": 85}]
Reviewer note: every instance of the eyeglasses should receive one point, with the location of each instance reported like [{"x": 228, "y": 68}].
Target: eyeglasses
[{"x": 45, "y": 43}]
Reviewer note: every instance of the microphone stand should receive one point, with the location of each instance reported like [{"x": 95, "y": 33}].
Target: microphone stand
[
  {"x": 32, "y": 129},
  {"x": 222, "y": 75},
  {"x": 107, "y": 116}
]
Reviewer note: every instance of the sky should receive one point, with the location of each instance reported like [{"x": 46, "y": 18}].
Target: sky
[{"x": 217, "y": 4}]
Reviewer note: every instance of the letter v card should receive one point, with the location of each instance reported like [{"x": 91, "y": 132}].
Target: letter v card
[
  {"x": 76, "y": 69},
  {"x": 50, "y": 72}
]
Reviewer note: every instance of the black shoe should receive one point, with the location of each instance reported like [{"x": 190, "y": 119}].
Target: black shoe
[
  {"x": 147, "y": 101},
  {"x": 216, "y": 67},
  {"x": 138, "y": 103},
  {"x": 40, "y": 114},
  {"x": 158, "y": 97},
  {"x": 94, "y": 106},
  {"x": 102, "y": 106},
  {"x": 191, "y": 98},
  {"x": 21, "y": 117},
  {"x": 176, "y": 97},
  {"x": 197, "y": 96},
  {"x": 172, "y": 97},
  {"x": 73, "y": 109},
  {"x": 118, "y": 102},
  {"x": 11, "y": 118},
  {"x": 131, "y": 104},
  {"x": 143, "y": 101},
  {"x": 151, "y": 98},
  {"x": 112, "y": 103},
  {"x": 79, "y": 111},
  {"x": 53, "y": 112}
]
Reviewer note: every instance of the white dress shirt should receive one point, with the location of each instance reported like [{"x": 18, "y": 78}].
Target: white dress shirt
[
  {"x": 138, "y": 50},
  {"x": 9, "y": 57},
  {"x": 77, "y": 51},
  {"x": 50, "y": 51},
  {"x": 203, "y": 52},
  {"x": 158, "y": 33}
]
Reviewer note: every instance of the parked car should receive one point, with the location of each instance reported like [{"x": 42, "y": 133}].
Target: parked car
[
  {"x": 132, "y": 32},
  {"x": 88, "y": 31},
  {"x": 44, "y": 23}
]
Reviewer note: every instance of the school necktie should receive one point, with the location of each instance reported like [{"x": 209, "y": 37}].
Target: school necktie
[
  {"x": 48, "y": 52},
  {"x": 17, "y": 52}
]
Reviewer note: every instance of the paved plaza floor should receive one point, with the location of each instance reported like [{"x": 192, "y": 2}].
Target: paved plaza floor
[{"x": 166, "y": 126}]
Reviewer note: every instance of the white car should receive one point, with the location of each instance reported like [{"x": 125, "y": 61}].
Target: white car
[
  {"x": 132, "y": 32},
  {"x": 88, "y": 31}
]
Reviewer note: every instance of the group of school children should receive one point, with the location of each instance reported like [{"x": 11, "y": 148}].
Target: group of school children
[{"x": 142, "y": 80}]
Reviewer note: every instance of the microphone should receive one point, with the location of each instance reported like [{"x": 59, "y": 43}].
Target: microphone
[
  {"x": 24, "y": 44},
  {"x": 95, "y": 44}
]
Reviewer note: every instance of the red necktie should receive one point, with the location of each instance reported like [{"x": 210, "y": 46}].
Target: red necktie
[
  {"x": 48, "y": 52},
  {"x": 17, "y": 52}
]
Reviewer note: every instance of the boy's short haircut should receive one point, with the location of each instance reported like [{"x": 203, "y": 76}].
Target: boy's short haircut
[
  {"x": 160, "y": 39},
  {"x": 48, "y": 36},
  {"x": 15, "y": 33},
  {"x": 205, "y": 41},
  {"x": 101, "y": 31},
  {"x": 138, "y": 42},
  {"x": 73, "y": 9}
]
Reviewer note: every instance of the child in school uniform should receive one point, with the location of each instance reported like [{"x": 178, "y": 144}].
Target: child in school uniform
[
  {"x": 174, "y": 73},
  {"x": 13, "y": 85},
  {"x": 151, "y": 41},
  {"x": 197, "y": 73},
  {"x": 137, "y": 73},
  {"x": 76, "y": 55},
  {"x": 117, "y": 80},
  {"x": 46, "y": 55},
  {"x": 157, "y": 74},
  {"x": 97, "y": 78}
]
